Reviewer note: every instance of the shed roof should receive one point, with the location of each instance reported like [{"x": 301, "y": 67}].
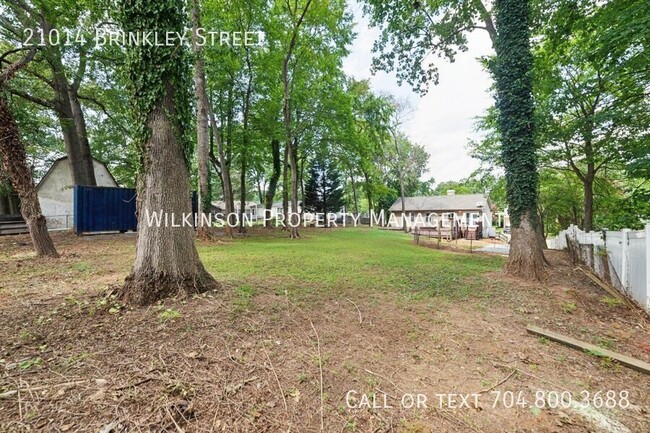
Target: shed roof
[
  {"x": 440, "y": 203},
  {"x": 58, "y": 161}
]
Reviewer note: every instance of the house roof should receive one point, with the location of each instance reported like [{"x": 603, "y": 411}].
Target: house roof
[
  {"x": 64, "y": 158},
  {"x": 440, "y": 203}
]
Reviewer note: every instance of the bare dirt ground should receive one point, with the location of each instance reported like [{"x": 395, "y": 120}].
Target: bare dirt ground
[{"x": 73, "y": 360}]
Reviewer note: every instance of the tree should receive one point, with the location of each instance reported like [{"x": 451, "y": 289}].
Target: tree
[
  {"x": 591, "y": 116},
  {"x": 298, "y": 17},
  {"x": 202, "y": 122},
  {"x": 323, "y": 190},
  {"x": 414, "y": 32},
  {"x": 14, "y": 164},
  {"x": 50, "y": 76},
  {"x": 514, "y": 101},
  {"x": 167, "y": 262}
]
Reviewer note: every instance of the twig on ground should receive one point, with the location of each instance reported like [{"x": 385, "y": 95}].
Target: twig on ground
[
  {"x": 483, "y": 391},
  {"x": 10, "y": 393},
  {"x": 385, "y": 378},
  {"x": 357, "y": 307},
  {"x": 320, "y": 366},
  {"x": 178, "y": 428},
  {"x": 277, "y": 380},
  {"x": 141, "y": 382},
  {"x": 533, "y": 376}
]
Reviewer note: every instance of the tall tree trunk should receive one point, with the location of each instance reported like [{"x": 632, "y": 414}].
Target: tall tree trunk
[
  {"x": 14, "y": 164},
  {"x": 202, "y": 124},
  {"x": 589, "y": 200},
  {"x": 167, "y": 262},
  {"x": 302, "y": 186},
  {"x": 285, "y": 186},
  {"x": 368, "y": 191},
  {"x": 228, "y": 151},
  {"x": 82, "y": 138},
  {"x": 354, "y": 194},
  {"x": 516, "y": 125},
  {"x": 273, "y": 182},
  {"x": 70, "y": 115},
  {"x": 293, "y": 161},
  {"x": 242, "y": 193},
  {"x": 401, "y": 182},
  {"x": 221, "y": 164},
  {"x": 68, "y": 110},
  {"x": 244, "y": 152},
  {"x": 286, "y": 110}
]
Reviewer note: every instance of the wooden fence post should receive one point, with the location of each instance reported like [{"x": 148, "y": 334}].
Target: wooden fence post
[{"x": 625, "y": 258}]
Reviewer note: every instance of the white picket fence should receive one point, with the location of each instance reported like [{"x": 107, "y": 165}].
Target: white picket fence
[{"x": 621, "y": 258}]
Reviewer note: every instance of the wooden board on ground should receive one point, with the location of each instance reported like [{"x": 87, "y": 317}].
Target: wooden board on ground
[
  {"x": 628, "y": 361},
  {"x": 609, "y": 289}
]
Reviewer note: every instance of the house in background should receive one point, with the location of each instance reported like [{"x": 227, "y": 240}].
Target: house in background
[
  {"x": 56, "y": 195},
  {"x": 456, "y": 211},
  {"x": 251, "y": 209},
  {"x": 276, "y": 209}
]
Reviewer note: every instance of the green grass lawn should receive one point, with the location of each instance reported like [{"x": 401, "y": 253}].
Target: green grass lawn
[{"x": 348, "y": 260}]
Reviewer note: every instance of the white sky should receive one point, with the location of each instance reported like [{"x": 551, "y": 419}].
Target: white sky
[{"x": 443, "y": 120}]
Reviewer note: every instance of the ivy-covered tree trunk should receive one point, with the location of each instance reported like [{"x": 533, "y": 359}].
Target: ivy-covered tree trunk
[
  {"x": 516, "y": 113},
  {"x": 167, "y": 262},
  {"x": 14, "y": 164}
]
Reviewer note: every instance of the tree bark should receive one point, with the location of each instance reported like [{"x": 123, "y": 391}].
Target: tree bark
[
  {"x": 202, "y": 125},
  {"x": 167, "y": 262},
  {"x": 285, "y": 186},
  {"x": 273, "y": 182},
  {"x": 295, "y": 217},
  {"x": 286, "y": 109},
  {"x": 354, "y": 194},
  {"x": 14, "y": 164},
  {"x": 589, "y": 202},
  {"x": 244, "y": 152},
  {"x": 83, "y": 145},
  {"x": 526, "y": 258},
  {"x": 71, "y": 118},
  {"x": 401, "y": 182}
]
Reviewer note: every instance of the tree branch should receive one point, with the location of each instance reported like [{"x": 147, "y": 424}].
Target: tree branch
[{"x": 33, "y": 99}]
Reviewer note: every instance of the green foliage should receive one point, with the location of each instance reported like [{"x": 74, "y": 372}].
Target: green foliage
[
  {"x": 412, "y": 33},
  {"x": 323, "y": 190}
]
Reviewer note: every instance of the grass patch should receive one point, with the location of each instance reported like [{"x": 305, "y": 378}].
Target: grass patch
[
  {"x": 243, "y": 298},
  {"x": 344, "y": 260}
]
